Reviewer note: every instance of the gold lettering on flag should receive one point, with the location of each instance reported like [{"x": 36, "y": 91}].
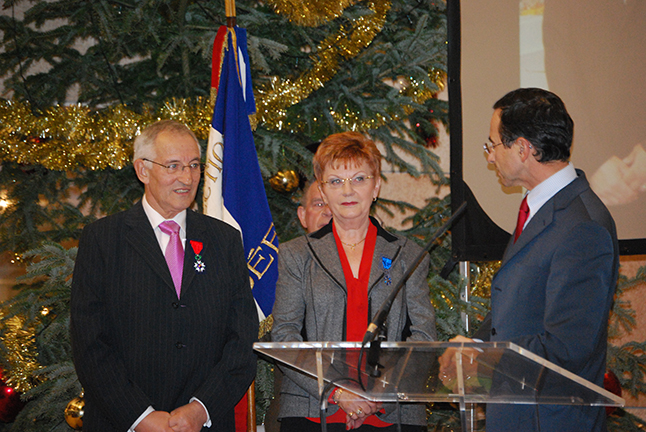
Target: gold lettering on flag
[
  {"x": 271, "y": 231},
  {"x": 260, "y": 260},
  {"x": 215, "y": 161}
]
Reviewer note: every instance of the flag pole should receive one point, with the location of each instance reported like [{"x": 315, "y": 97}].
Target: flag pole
[{"x": 230, "y": 9}]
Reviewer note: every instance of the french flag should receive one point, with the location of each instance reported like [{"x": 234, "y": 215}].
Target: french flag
[{"x": 233, "y": 187}]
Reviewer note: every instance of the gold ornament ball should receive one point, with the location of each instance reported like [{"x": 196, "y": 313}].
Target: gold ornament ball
[
  {"x": 74, "y": 413},
  {"x": 285, "y": 181}
]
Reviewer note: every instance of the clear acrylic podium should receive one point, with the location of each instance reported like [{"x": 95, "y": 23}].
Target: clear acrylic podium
[{"x": 492, "y": 372}]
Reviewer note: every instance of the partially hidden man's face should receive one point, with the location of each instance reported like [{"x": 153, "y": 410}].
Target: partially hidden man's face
[
  {"x": 314, "y": 214},
  {"x": 167, "y": 193}
]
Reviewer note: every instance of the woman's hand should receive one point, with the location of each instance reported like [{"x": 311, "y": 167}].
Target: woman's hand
[{"x": 356, "y": 408}]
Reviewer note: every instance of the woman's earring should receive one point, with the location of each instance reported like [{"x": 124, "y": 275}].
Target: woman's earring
[{"x": 374, "y": 199}]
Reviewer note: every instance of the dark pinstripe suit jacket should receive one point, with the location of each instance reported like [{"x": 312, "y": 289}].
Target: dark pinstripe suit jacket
[{"x": 135, "y": 344}]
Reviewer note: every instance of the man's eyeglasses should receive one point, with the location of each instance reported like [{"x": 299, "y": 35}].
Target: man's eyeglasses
[
  {"x": 489, "y": 146},
  {"x": 176, "y": 168},
  {"x": 337, "y": 183}
]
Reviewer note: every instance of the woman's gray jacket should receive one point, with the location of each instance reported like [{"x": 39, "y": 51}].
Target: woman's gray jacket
[{"x": 311, "y": 291}]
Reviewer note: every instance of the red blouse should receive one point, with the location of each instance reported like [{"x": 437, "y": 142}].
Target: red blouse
[
  {"x": 357, "y": 306},
  {"x": 357, "y": 288}
]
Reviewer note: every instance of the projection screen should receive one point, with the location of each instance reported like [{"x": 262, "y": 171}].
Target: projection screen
[{"x": 593, "y": 55}]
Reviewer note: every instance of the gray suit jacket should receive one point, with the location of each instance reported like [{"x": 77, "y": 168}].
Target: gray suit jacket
[
  {"x": 311, "y": 300},
  {"x": 552, "y": 295},
  {"x": 135, "y": 344}
]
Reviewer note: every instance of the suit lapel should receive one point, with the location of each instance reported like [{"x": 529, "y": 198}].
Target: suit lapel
[
  {"x": 535, "y": 226},
  {"x": 325, "y": 252},
  {"x": 545, "y": 216},
  {"x": 142, "y": 239}
]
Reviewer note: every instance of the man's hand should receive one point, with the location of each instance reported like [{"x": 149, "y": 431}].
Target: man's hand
[
  {"x": 156, "y": 421},
  {"x": 188, "y": 418},
  {"x": 448, "y": 372}
]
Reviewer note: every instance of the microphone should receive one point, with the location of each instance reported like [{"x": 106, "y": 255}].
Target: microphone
[{"x": 381, "y": 315}]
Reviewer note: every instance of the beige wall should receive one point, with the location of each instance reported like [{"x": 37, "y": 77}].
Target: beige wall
[{"x": 401, "y": 186}]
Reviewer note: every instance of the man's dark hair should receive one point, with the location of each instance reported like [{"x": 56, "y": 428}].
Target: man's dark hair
[{"x": 540, "y": 117}]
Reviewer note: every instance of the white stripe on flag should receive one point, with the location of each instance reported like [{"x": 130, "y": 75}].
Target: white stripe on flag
[{"x": 213, "y": 200}]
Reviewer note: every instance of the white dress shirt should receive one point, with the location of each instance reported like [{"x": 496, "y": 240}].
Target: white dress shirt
[{"x": 545, "y": 190}]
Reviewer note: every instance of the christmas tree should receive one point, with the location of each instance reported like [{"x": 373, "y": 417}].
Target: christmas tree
[
  {"x": 318, "y": 67},
  {"x": 325, "y": 67}
]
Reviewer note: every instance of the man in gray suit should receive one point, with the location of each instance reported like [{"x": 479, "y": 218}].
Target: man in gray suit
[
  {"x": 554, "y": 290},
  {"x": 159, "y": 343}
]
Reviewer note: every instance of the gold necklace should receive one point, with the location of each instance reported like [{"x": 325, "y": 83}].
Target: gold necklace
[{"x": 352, "y": 246}]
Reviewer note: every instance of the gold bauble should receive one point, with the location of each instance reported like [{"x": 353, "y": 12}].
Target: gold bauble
[
  {"x": 74, "y": 413},
  {"x": 285, "y": 181}
]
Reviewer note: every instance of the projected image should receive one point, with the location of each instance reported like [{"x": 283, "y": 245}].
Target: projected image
[{"x": 593, "y": 55}]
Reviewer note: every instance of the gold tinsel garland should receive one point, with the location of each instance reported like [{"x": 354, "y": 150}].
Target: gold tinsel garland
[
  {"x": 21, "y": 356},
  {"x": 273, "y": 99},
  {"x": 419, "y": 93},
  {"x": 265, "y": 326},
  {"x": 65, "y": 137},
  {"x": 481, "y": 278},
  {"x": 310, "y": 13}
]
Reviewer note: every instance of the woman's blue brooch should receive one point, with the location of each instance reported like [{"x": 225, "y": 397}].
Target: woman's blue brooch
[{"x": 387, "y": 263}]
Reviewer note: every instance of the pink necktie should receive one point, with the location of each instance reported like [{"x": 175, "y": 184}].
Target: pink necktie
[
  {"x": 523, "y": 213},
  {"x": 174, "y": 253}
]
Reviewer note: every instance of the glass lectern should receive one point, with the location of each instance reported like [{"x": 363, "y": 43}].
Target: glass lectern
[{"x": 461, "y": 373}]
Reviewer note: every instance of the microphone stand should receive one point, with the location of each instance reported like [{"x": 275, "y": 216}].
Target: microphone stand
[{"x": 380, "y": 317}]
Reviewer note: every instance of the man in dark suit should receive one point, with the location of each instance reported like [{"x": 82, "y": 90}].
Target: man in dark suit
[
  {"x": 555, "y": 287},
  {"x": 156, "y": 350}
]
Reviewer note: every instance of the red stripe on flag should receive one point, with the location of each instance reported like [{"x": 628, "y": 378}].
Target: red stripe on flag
[
  {"x": 241, "y": 414},
  {"x": 218, "y": 55}
]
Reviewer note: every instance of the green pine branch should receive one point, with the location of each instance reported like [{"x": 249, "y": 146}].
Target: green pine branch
[{"x": 43, "y": 305}]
